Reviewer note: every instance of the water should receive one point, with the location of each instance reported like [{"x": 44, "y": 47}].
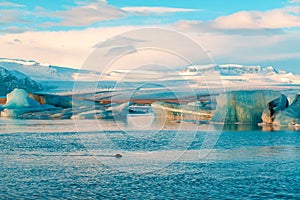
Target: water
[{"x": 41, "y": 162}]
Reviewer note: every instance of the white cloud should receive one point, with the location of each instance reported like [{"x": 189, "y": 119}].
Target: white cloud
[
  {"x": 261, "y": 46},
  {"x": 85, "y": 15},
  {"x": 294, "y": 1},
  {"x": 158, "y": 10},
  {"x": 11, "y": 16},
  {"x": 14, "y": 29},
  {"x": 242, "y": 40},
  {"x": 272, "y": 19},
  {"x": 65, "y": 48},
  {"x": 10, "y": 4}
]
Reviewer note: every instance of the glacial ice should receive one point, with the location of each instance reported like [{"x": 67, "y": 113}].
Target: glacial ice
[
  {"x": 119, "y": 112},
  {"x": 60, "y": 101},
  {"x": 181, "y": 112},
  {"x": 273, "y": 108},
  {"x": 243, "y": 106},
  {"x": 291, "y": 115},
  {"x": 18, "y": 98},
  {"x": 18, "y": 103},
  {"x": 91, "y": 114}
]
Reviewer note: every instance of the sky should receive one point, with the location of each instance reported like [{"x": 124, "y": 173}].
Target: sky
[{"x": 67, "y": 32}]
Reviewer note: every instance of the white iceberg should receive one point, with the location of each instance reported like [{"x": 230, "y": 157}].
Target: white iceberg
[
  {"x": 173, "y": 111},
  {"x": 19, "y": 98},
  {"x": 18, "y": 103},
  {"x": 119, "y": 112},
  {"x": 91, "y": 114}
]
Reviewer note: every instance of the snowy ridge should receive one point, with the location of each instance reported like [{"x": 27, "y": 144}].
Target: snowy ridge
[
  {"x": 233, "y": 69},
  {"x": 235, "y": 73},
  {"x": 41, "y": 72}
]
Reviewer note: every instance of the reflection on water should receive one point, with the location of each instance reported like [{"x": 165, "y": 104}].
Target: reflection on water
[
  {"x": 132, "y": 122},
  {"x": 241, "y": 127}
]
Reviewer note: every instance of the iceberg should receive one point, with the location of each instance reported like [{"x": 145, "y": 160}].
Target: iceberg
[
  {"x": 119, "y": 112},
  {"x": 19, "y": 98},
  {"x": 291, "y": 115},
  {"x": 18, "y": 103},
  {"x": 243, "y": 106},
  {"x": 92, "y": 114},
  {"x": 60, "y": 101},
  {"x": 274, "y": 107},
  {"x": 54, "y": 100},
  {"x": 174, "y": 111},
  {"x": 22, "y": 105}
]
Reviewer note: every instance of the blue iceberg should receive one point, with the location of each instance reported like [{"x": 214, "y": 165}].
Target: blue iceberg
[
  {"x": 291, "y": 115},
  {"x": 274, "y": 107},
  {"x": 243, "y": 106}
]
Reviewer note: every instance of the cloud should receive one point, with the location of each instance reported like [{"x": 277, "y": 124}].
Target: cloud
[
  {"x": 11, "y": 16},
  {"x": 261, "y": 38},
  {"x": 248, "y": 22},
  {"x": 49, "y": 46},
  {"x": 156, "y": 10},
  {"x": 209, "y": 28},
  {"x": 10, "y": 4},
  {"x": 294, "y": 1},
  {"x": 273, "y": 19},
  {"x": 85, "y": 15},
  {"x": 14, "y": 30},
  {"x": 235, "y": 46}
]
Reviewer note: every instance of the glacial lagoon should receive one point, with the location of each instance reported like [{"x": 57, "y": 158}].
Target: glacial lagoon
[{"x": 57, "y": 159}]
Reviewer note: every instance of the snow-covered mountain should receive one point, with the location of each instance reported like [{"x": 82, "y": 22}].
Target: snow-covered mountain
[
  {"x": 61, "y": 79},
  {"x": 233, "y": 69},
  {"x": 235, "y": 73},
  {"x": 43, "y": 72},
  {"x": 11, "y": 79}
]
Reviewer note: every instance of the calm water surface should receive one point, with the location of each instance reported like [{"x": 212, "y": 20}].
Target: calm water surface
[{"x": 54, "y": 161}]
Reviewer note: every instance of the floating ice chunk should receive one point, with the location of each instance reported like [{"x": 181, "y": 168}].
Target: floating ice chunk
[
  {"x": 18, "y": 103},
  {"x": 18, "y": 98},
  {"x": 291, "y": 115},
  {"x": 54, "y": 100},
  {"x": 273, "y": 108},
  {"x": 119, "y": 112},
  {"x": 243, "y": 106},
  {"x": 60, "y": 101},
  {"x": 181, "y": 112},
  {"x": 92, "y": 114}
]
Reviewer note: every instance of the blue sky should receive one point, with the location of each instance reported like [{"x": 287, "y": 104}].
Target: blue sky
[
  {"x": 253, "y": 32},
  {"x": 31, "y": 11}
]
